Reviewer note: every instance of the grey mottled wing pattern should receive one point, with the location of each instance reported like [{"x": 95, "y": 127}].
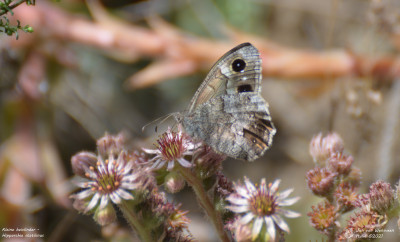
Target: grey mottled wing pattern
[
  {"x": 237, "y": 125},
  {"x": 227, "y": 111}
]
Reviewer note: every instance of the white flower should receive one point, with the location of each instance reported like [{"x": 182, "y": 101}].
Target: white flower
[
  {"x": 262, "y": 205},
  {"x": 172, "y": 146},
  {"x": 110, "y": 179}
]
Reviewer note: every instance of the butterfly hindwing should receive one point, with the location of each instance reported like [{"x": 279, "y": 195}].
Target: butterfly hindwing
[{"x": 240, "y": 128}]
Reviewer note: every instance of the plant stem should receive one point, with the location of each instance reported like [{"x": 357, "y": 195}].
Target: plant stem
[
  {"x": 204, "y": 201},
  {"x": 19, "y": 2},
  {"x": 134, "y": 222}
]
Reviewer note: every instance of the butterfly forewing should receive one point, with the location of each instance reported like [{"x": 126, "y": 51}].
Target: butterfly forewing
[
  {"x": 223, "y": 78},
  {"x": 243, "y": 71}
]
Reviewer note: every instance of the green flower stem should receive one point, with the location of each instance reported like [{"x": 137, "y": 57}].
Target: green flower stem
[
  {"x": 332, "y": 235},
  {"x": 394, "y": 212},
  {"x": 204, "y": 201},
  {"x": 134, "y": 222}
]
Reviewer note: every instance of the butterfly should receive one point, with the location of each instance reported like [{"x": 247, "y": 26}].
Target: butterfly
[{"x": 227, "y": 112}]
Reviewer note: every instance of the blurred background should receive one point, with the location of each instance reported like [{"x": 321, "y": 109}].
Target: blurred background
[{"x": 99, "y": 66}]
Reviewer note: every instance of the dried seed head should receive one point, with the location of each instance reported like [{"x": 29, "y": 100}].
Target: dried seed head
[
  {"x": 321, "y": 181},
  {"x": 381, "y": 197},
  {"x": 354, "y": 177},
  {"x": 346, "y": 197},
  {"x": 321, "y": 148},
  {"x": 323, "y": 217},
  {"x": 362, "y": 224},
  {"x": 340, "y": 163}
]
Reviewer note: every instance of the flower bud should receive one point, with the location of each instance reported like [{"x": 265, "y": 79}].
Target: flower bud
[
  {"x": 79, "y": 204},
  {"x": 174, "y": 182},
  {"x": 82, "y": 161},
  {"x": 242, "y": 232},
  {"x": 110, "y": 145},
  {"x": 105, "y": 216},
  {"x": 208, "y": 162}
]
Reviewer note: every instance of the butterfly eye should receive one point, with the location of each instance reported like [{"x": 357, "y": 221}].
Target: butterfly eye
[{"x": 238, "y": 65}]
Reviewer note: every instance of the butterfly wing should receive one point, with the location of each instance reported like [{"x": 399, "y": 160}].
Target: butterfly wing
[
  {"x": 227, "y": 112},
  {"x": 238, "y": 70},
  {"x": 239, "y": 126}
]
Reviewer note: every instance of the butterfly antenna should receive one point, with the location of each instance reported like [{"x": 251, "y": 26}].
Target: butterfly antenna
[{"x": 165, "y": 117}]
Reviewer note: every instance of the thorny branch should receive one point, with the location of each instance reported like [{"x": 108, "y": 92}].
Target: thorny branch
[
  {"x": 179, "y": 54},
  {"x": 10, "y": 7}
]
